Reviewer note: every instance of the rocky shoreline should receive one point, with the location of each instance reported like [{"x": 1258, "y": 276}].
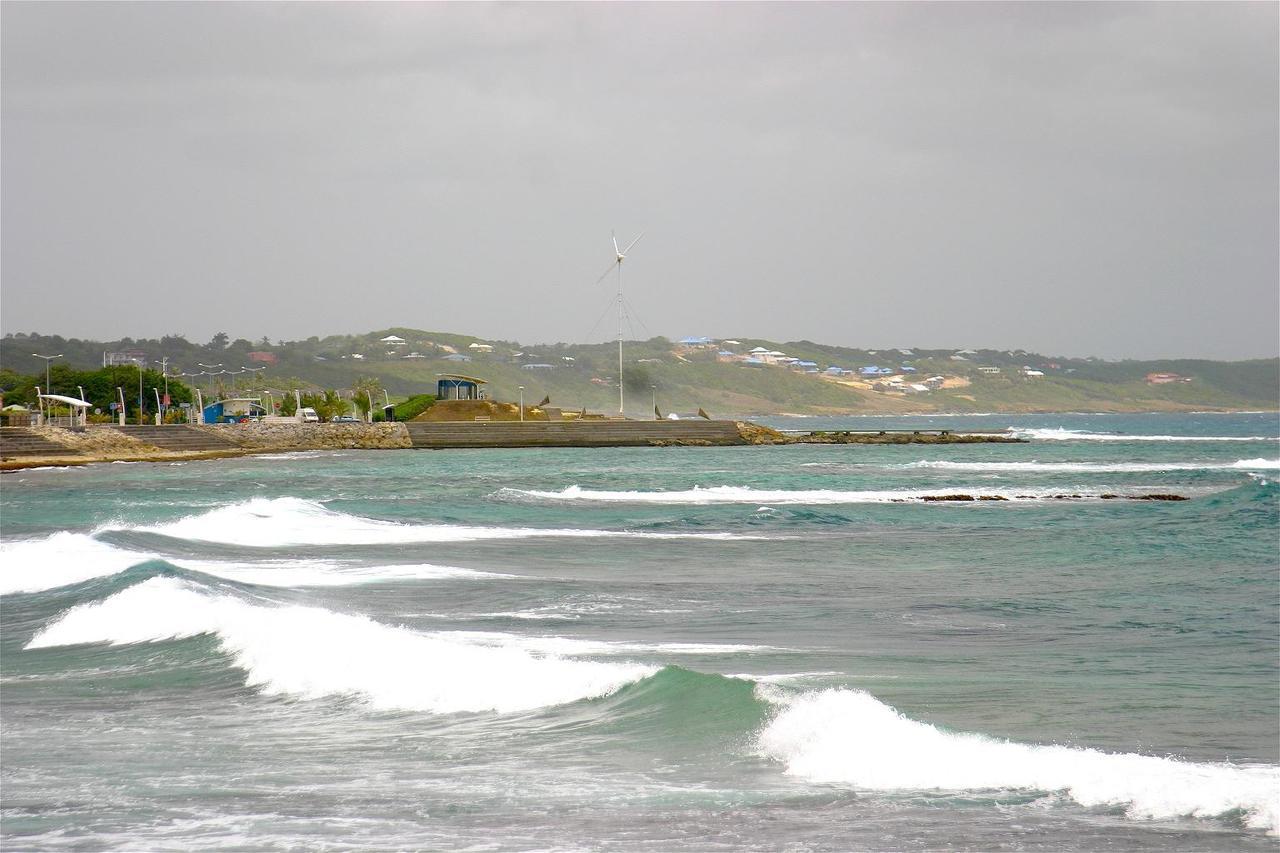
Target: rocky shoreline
[
  {"x": 104, "y": 444},
  {"x": 54, "y": 446}
]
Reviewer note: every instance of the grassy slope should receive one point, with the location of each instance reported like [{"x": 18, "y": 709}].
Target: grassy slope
[{"x": 720, "y": 388}]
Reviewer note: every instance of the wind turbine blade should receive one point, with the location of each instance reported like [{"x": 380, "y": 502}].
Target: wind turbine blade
[
  {"x": 633, "y": 242},
  {"x": 615, "y": 243},
  {"x": 605, "y": 274}
]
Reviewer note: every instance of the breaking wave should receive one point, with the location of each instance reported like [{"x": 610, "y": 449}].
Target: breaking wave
[
  {"x": 313, "y": 653},
  {"x": 1094, "y": 467},
  {"x": 748, "y": 495},
  {"x": 1060, "y": 434},
  {"x": 280, "y": 522},
  {"x": 848, "y": 737},
  {"x": 63, "y": 559}
]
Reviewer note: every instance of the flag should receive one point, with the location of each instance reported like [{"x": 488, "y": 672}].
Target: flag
[
  {"x": 702, "y": 413},
  {"x": 545, "y": 401},
  {"x": 657, "y": 415}
]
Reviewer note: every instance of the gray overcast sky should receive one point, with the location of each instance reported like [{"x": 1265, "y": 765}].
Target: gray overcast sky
[{"x": 1074, "y": 179}]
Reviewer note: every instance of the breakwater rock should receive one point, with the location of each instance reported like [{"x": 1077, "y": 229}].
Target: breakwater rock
[
  {"x": 757, "y": 434},
  {"x": 964, "y": 498}
]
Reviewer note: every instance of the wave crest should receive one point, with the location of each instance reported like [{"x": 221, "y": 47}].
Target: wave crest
[
  {"x": 849, "y": 737},
  {"x": 312, "y": 653},
  {"x": 283, "y": 522},
  {"x": 748, "y": 495},
  {"x": 1060, "y": 434}
]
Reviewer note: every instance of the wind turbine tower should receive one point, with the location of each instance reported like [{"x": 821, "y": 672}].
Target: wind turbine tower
[{"x": 619, "y": 256}]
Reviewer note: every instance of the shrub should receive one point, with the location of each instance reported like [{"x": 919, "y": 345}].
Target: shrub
[{"x": 414, "y": 406}]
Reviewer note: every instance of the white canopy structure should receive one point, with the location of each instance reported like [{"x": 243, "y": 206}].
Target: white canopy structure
[
  {"x": 77, "y": 419},
  {"x": 66, "y": 401}
]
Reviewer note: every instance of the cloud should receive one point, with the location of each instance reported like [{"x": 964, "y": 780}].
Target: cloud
[{"x": 1077, "y": 178}]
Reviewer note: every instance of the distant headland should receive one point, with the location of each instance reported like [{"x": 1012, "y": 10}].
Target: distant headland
[{"x": 725, "y": 376}]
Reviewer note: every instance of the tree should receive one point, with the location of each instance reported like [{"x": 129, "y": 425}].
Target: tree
[
  {"x": 219, "y": 341},
  {"x": 327, "y": 405},
  {"x": 636, "y": 378},
  {"x": 364, "y": 388}
]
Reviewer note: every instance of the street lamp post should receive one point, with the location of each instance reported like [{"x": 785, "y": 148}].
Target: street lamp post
[
  {"x": 138, "y": 362},
  {"x": 209, "y": 368},
  {"x": 521, "y": 404},
  {"x": 164, "y": 369},
  {"x": 47, "y": 360}
]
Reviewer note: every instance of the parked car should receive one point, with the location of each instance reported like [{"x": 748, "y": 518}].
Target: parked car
[
  {"x": 344, "y": 419},
  {"x": 309, "y": 416}
]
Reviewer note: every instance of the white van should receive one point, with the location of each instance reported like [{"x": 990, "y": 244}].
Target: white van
[{"x": 308, "y": 416}]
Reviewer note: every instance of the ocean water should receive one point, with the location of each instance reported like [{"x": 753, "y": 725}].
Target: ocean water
[{"x": 763, "y": 648}]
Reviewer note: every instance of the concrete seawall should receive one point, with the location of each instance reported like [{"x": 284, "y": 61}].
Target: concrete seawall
[
  {"x": 573, "y": 434},
  {"x": 23, "y": 447}
]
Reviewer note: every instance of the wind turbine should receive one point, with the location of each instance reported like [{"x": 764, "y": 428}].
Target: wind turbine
[{"x": 619, "y": 256}]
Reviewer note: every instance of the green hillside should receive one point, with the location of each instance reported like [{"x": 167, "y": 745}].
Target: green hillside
[{"x": 682, "y": 378}]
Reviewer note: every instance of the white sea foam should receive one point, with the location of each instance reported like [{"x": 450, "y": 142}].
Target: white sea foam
[
  {"x": 577, "y": 646},
  {"x": 848, "y": 737},
  {"x": 748, "y": 495},
  {"x": 34, "y": 565},
  {"x": 1061, "y": 434},
  {"x": 296, "y": 573},
  {"x": 1092, "y": 467},
  {"x": 310, "y": 652},
  {"x": 1257, "y": 464},
  {"x": 65, "y": 558},
  {"x": 280, "y": 522}
]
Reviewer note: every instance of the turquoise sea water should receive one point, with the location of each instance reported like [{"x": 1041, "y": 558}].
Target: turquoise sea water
[{"x": 752, "y": 648}]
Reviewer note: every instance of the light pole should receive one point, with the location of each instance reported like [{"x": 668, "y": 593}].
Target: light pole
[
  {"x": 521, "y": 404},
  {"x": 138, "y": 362},
  {"x": 47, "y": 359},
  {"x": 164, "y": 369},
  {"x": 209, "y": 368}
]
